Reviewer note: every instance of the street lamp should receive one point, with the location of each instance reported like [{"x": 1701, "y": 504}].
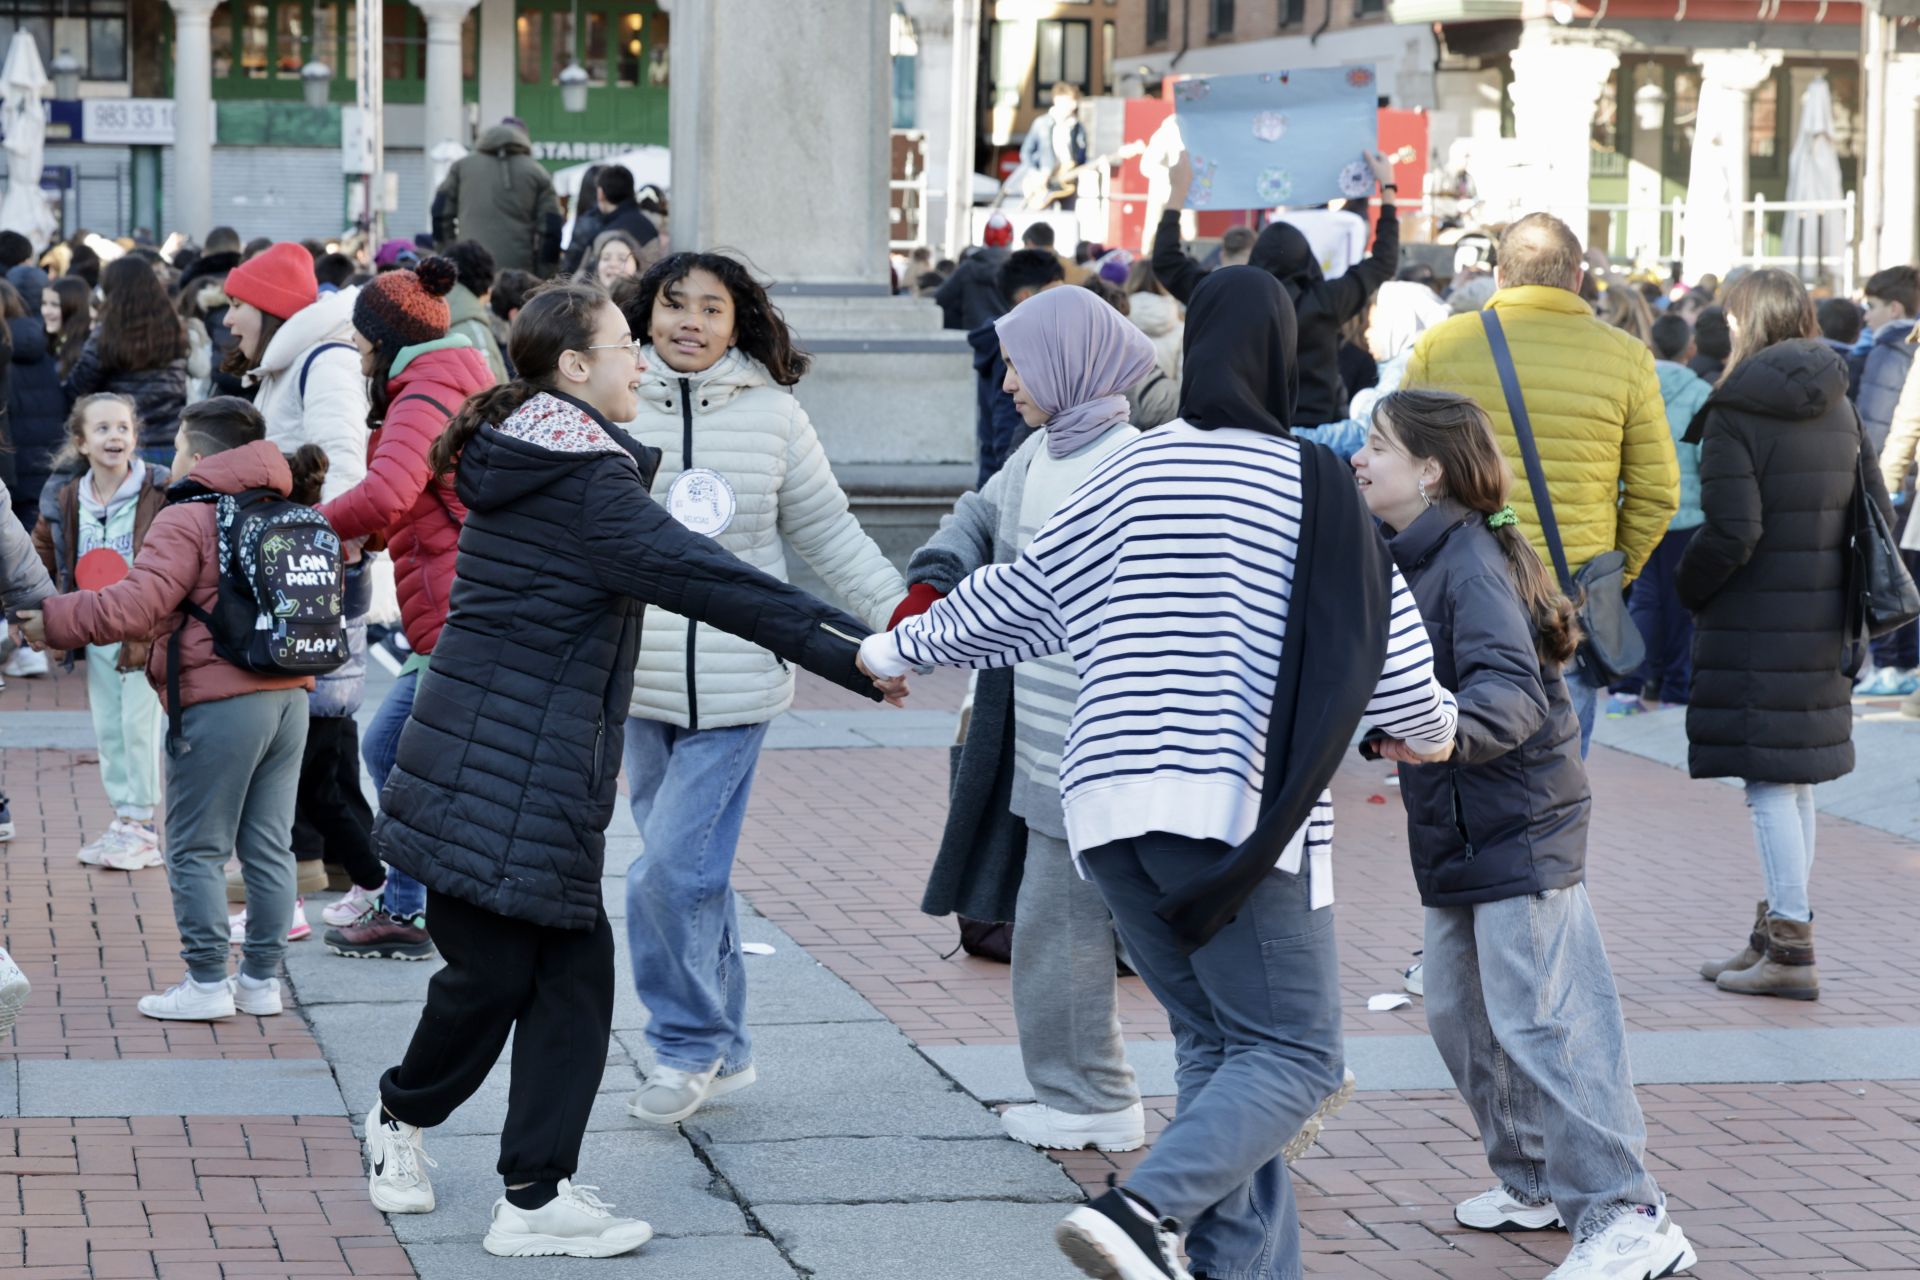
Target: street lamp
[
  {"x": 573, "y": 88},
  {"x": 66, "y": 76},
  {"x": 316, "y": 83}
]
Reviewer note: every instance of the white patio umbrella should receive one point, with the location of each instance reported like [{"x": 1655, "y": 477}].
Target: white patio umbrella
[
  {"x": 1813, "y": 173},
  {"x": 23, "y": 118}
]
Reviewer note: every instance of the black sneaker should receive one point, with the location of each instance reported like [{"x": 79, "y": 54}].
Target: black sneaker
[
  {"x": 6, "y": 820},
  {"x": 1109, "y": 1240},
  {"x": 379, "y": 936}
]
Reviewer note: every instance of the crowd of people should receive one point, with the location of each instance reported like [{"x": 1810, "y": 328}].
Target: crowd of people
[{"x": 1210, "y": 545}]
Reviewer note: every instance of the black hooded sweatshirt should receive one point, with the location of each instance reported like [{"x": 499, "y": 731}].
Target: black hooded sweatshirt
[
  {"x": 1240, "y": 373},
  {"x": 1321, "y": 306}
]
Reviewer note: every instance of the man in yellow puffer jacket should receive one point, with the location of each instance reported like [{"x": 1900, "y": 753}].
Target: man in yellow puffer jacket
[{"x": 1592, "y": 395}]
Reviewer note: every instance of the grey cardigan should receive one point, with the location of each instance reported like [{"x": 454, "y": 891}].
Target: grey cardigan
[{"x": 23, "y": 578}]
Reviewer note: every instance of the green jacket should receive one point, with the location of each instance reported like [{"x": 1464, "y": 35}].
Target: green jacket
[
  {"x": 502, "y": 197},
  {"x": 470, "y": 321}
]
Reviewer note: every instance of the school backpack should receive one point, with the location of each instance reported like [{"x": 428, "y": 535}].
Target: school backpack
[{"x": 280, "y": 608}]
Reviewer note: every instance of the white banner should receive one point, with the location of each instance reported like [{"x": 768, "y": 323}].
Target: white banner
[{"x": 127, "y": 121}]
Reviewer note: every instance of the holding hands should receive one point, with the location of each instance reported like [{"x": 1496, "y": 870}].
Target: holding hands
[
  {"x": 892, "y": 688},
  {"x": 30, "y": 628},
  {"x": 1397, "y": 750}
]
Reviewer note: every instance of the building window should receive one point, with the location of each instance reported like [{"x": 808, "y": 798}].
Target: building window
[
  {"x": 903, "y": 46},
  {"x": 1363, "y": 8},
  {"x": 1219, "y": 18},
  {"x": 1064, "y": 53},
  {"x": 1293, "y": 12},
  {"x": 1108, "y": 44},
  {"x": 94, "y": 30},
  {"x": 1157, "y": 11}
]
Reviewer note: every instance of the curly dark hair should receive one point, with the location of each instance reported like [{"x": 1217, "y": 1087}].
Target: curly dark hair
[
  {"x": 138, "y": 327},
  {"x": 758, "y": 327}
]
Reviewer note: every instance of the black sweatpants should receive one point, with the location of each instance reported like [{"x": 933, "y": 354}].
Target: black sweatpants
[
  {"x": 331, "y": 817},
  {"x": 553, "y": 988}
]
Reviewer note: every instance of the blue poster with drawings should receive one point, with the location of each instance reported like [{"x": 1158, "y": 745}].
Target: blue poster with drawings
[{"x": 1279, "y": 137}]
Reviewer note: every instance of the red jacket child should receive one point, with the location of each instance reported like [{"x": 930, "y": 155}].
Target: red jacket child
[
  {"x": 420, "y": 516},
  {"x": 179, "y": 561}
]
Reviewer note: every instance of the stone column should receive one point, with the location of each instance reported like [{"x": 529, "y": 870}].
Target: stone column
[
  {"x": 499, "y": 61},
  {"x": 1554, "y": 90},
  {"x": 802, "y": 195},
  {"x": 446, "y": 103},
  {"x": 1717, "y": 176},
  {"x": 193, "y": 117},
  {"x": 1899, "y": 234},
  {"x": 933, "y": 104}
]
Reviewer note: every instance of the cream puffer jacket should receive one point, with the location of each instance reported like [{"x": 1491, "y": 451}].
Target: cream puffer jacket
[
  {"x": 310, "y": 389},
  {"x": 734, "y": 420}
]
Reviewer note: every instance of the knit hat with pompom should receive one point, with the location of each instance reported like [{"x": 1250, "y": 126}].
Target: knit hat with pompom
[{"x": 405, "y": 308}]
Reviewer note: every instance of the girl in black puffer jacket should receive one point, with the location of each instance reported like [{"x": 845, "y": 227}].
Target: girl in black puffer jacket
[
  {"x": 506, "y": 773},
  {"x": 1780, "y": 452},
  {"x": 1519, "y": 996}
]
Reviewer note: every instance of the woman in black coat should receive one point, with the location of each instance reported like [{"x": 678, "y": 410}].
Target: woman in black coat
[
  {"x": 1780, "y": 452},
  {"x": 506, "y": 774},
  {"x": 138, "y": 348},
  {"x": 36, "y": 406}
]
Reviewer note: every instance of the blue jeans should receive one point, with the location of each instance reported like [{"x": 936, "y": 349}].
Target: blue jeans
[
  {"x": 689, "y": 794},
  {"x": 1522, "y": 1006},
  {"x": 1256, "y": 1024},
  {"x": 1783, "y": 827},
  {"x": 1585, "y": 699},
  {"x": 404, "y": 897},
  {"x": 1665, "y": 624}
]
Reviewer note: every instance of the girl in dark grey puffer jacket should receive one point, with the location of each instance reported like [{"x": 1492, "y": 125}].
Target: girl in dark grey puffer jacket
[{"x": 1517, "y": 980}]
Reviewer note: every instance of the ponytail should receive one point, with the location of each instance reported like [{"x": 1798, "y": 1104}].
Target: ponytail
[
  {"x": 495, "y": 404},
  {"x": 1556, "y": 623},
  {"x": 309, "y": 464},
  {"x": 555, "y": 319}
]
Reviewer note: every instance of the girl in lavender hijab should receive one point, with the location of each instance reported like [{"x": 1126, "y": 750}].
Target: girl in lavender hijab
[{"x": 1070, "y": 358}]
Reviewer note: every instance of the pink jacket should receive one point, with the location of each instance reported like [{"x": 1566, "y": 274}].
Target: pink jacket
[{"x": 178, "y": 562}]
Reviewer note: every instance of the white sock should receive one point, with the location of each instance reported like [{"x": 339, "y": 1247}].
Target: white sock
[
  {"x": 207, "y": 986},
  {"x": 255, "y": 983}
]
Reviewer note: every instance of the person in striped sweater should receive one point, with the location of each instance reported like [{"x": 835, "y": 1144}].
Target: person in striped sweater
[{"x": 1232, "y": 617}]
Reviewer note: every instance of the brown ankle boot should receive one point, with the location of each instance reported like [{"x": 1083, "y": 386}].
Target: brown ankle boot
[
  {"x": 1787, "y": 970},
  {"x": 1755, "y": 951}
]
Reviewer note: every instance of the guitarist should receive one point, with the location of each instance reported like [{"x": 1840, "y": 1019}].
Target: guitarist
[{"x": 1055, "y": 144}]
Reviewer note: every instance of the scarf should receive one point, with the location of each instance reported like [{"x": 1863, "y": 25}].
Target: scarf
[{"x": 1076, "y": 357}]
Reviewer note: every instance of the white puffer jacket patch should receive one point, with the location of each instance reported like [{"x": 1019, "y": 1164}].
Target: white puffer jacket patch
[{"x": 735, "y": 421}]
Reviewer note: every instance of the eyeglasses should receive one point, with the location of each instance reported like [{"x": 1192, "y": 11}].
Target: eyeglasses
[{"x": 631, "y": 348}]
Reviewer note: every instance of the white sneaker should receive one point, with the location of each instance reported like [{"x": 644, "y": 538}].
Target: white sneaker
[
  {"x": 94, "y": 852},
  {"x": 298, "y": 929},
  {"x": 1643, "y": 1245},
  {"x": 257, "y": 996},
  {"x": 1414, "y": 978},
  {"x": 574, "y": 1224},
  {"x": 1497, "y": 1210},
  {"x": 136, "y": 849},
  {"x": 395, "y": 1181},
  {"x": 353, "y": 904},
  {"x": 190, "y": 1001},
  {"x": 670, "y": 1095},
  {"x": 25, "y": 662},
  {"x": 14, "y": 989},
  {"x": 1039, "y": 1125}
]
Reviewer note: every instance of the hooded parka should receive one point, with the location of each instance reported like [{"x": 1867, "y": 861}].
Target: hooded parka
[
  {"x": 504, "y": 198},
  {"x": 1779, "y": 445},
  {"x": 507, "y": 771}
]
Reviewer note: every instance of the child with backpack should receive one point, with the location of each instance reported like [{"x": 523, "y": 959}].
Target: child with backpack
[
  {"x": 1519, "y": 996},
  {"x": 236, "y": 692},
  {"x": 101, "y": 518}
]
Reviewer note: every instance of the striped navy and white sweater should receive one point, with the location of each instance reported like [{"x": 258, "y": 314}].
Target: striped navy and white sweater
[{"x": 1166, "y": 577}]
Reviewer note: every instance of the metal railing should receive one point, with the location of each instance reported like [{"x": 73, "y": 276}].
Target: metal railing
[{"x": 1760, "y": 234}]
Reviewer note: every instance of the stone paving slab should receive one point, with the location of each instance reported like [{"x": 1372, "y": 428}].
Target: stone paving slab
[
  {"x": 886, "y": 1170},
  {"x": 52, "y": 1087},
  {"x": 647, "y": 1173},
  {"x": 858, "y": 1080},
  {"x": 923, "y": 1241},
  {"x": 892, "y": 727},
  {"x": 703, "y": 1258}
]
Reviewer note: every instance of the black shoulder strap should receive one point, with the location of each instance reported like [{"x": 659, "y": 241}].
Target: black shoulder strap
[
  {"x": 177, "y": 744},
  {"x": 1523, "y": 428},
  {"x": 306, "y": 366},
  {"x": 417, "y": 395}
]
